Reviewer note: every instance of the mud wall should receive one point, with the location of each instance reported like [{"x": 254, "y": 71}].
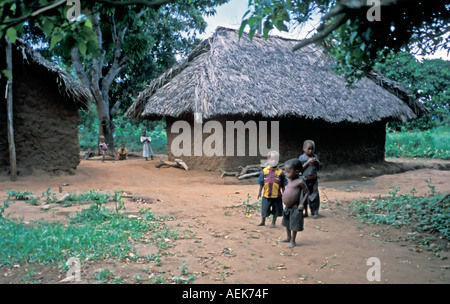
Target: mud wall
[
  {"x": 336, "y": 144},
  {"x": 45, "y": 125}
]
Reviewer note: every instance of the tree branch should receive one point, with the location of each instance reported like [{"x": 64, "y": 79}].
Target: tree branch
[
  {"x": 40, "y": 10},
  {"x": 117, "y": 64},
  {"x": 49, "y": 7},
  {"x": 155, "y": 4},
  {"x": 320, "y": 36},
  {"x": 76, "y": 61},
  {"x": 97, "y": 63},
  {"x": 115, "y": 107}
]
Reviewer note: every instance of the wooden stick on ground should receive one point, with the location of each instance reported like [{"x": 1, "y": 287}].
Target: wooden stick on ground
[
  {"x": 182, "y": 164},
  {"x": 246, "y": 168},
  {"x": 248, "y": 175},
  {"x": 178, "y": 163},
  {"x": 225, "y": 173}
]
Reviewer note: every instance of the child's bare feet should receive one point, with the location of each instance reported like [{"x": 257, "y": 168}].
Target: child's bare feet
[
  {"x": 292, "y": 245},
  {"x": 261, "y": 224},
  {"x": 272, "y": 225},
  {"x": 286, "y": 240}
]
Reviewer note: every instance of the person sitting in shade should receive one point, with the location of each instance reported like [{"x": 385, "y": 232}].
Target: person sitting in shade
[{"x": 122, "y": 153}]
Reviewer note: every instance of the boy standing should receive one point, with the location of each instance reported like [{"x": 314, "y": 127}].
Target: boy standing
[
  {"x": 310, "y": 165},
  {"x": 294, "y": 199},
  {"x": 102, "y": 147},
  {"x": 272, "y": 180}
]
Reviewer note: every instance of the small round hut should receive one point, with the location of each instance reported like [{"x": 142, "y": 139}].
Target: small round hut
[
  {"x": 45, "y": 114},
  {"x": 270, "y": 97}
]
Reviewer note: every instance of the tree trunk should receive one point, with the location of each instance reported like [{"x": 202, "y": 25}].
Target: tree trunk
[
  {"x": 106, "y": 126},
  {"x": 9, "y": 109}
]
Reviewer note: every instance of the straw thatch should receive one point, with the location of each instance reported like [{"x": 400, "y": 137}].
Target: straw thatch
[
  {"x": 44, "y": 114},
  {"x": 226, "y": 75},
  {"x": 67, "y": 85}
]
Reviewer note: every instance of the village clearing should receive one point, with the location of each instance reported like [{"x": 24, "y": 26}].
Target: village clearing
[{"x": 219, "y": 240}]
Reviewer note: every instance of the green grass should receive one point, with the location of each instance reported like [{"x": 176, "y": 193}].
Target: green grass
[
  {"x": 96, "y": 232},
  {"x": 427, "y": 217},
  {"x": 433, "y": 143}
]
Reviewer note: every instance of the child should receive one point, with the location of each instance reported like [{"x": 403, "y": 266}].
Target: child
[
  {"x": 122, "y": 153},
  {"x": 146, "y": 148},
  {"x": 102, "y": 147},
  {"x": 310, "y": 163},
  {"x": 89, "y": 154},
  {"x": 273, "y": 180},
  {"x": 294, "y": 198}
]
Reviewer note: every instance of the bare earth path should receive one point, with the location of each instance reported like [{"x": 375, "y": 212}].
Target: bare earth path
[{"x": 226, "y": 245}]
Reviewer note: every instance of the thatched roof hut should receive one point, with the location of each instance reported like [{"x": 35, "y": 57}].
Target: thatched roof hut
[
  {"x": 46, "y": 100},
  {"x": 67, "y": 85},
  {"x": 227, "y": 77}
]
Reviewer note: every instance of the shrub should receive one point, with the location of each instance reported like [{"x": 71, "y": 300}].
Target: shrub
[
  {"x": 433, "y": 143},
  {"x": 424, "y": 215}
]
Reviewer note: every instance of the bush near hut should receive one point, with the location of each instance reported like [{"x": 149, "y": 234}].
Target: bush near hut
[{"x": 433, "y": 143}]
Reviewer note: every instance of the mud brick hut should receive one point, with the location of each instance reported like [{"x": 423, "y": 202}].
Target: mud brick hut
[
  {"x": 230, "y": 79},
  {"x": 45, "y": 114}
]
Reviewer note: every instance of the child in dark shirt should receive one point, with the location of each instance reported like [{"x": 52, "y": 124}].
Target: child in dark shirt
[{"x": 310, "y": 166}]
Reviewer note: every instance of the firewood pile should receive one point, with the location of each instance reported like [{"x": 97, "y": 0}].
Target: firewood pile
[
  {"x": 247, "y": 171},
  {"x": 243, "y": 173}
]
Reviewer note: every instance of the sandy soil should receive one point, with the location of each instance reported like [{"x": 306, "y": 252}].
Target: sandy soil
[{"x": 226, "y": 245}]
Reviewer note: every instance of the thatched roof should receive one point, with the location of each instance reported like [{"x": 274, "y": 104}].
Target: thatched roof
[
  {"x": 67, "y": 85},
  {"x": 228, "y": 76}
]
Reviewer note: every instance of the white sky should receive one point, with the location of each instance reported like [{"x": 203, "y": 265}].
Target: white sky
[{"x": 230, "y": 15}]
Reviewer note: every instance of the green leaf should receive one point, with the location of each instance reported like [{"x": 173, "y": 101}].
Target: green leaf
[
  {"x": 92, "y": 47},
  {"x": 82, "y": 47},
  {"x": 353, "y": 36},
  {"x": 11, "y": 33},
  {"x": 47, "y": 26},
  {"x": 266, "y": 32},
  {"x": 7, "y": 74},
  {"x": 281, "y": 26},
  {"x": 242, "y": 27},
  {"x": 88, "y": 23},
  {"x": 57, "y": 37}
]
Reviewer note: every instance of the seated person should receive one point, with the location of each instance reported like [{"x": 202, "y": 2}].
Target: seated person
[{"x": 122, "y": 153}]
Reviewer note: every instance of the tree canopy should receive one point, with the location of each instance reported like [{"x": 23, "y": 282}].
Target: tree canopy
[
  {"x": 358, "y": 33},
  {"x": 429, "y": 82}
]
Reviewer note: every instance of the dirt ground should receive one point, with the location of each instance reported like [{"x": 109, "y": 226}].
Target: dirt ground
[{"x": 226, "y": 245}]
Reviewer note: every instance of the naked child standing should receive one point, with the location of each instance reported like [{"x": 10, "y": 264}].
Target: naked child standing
[{"x": 294, "y": 198}]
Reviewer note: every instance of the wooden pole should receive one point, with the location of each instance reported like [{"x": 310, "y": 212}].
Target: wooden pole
[{"x": 9, "y": 110}]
